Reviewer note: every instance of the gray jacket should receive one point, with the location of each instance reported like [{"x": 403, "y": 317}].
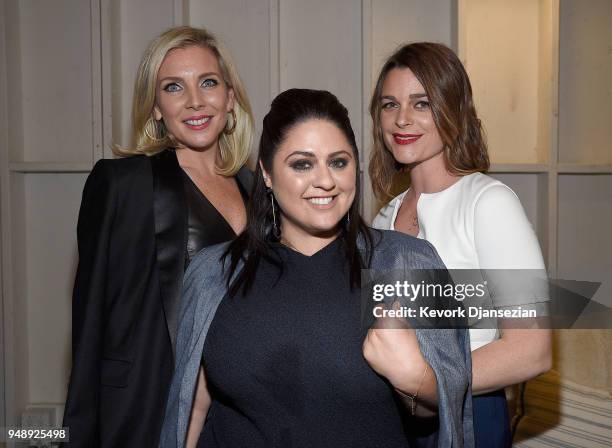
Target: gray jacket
[{"x": 446, "y": 350}]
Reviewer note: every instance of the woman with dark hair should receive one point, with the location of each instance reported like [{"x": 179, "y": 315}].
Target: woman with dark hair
[
  {"x": 271, "y": 351},
  {"x": 426, "y": 127},
  {"x": 180, "y": 186}
]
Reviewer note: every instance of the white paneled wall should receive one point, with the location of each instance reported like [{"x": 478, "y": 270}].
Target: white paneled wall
[
  {"x": 246, "y": 28},
  {"x": 67, "y": 71},
  {"x": 50, "y": 245},
  {"x": 516, "y": 90},
  {"x": 54, "y": 80},
  {"x": 585, "y": 213},
  {"x": 395, "y": 22},
  {"x": 320, "y": 48},
  {"x": 586, "y": 42},
  {"x": 131, "y": 27}
]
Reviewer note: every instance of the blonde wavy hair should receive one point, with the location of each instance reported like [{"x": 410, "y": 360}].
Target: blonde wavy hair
[{"x": 150, "y": 136}]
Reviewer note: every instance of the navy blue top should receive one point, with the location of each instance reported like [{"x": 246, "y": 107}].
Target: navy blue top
[{"x": 285, "y": 366}]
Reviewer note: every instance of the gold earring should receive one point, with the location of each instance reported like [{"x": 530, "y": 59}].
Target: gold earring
[
  {"x": 151, "y": 123},
  {"x": 233, "y": 127}
]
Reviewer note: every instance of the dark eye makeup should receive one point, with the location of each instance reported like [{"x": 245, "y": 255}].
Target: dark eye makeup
[
  {"x": 339, "y": 162},
  {"x": 300, "y": 164},
  {"x": 305, "y": 164}
]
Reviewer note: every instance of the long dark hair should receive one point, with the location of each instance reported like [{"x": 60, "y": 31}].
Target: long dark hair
[
  {"x": 287, "y": 110},
  {"x": 449, "y": 91}
]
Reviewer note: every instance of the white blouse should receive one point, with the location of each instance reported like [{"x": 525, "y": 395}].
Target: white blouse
[{"x": 476, "y": 223}]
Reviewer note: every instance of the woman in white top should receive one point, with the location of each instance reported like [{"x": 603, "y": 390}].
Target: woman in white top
[{"x": 425, "y": 126}]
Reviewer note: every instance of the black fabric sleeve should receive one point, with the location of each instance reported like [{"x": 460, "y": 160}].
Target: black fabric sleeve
[{"x": 94, "y": 232}]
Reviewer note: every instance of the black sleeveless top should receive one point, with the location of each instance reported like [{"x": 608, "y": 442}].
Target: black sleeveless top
[{"x": 205, "y": 225}]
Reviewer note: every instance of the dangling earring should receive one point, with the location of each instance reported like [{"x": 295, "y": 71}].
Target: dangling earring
[
  {"x": 348, "y": 220},
  {"x": 275, "y": 228},
  {"x": 233, "y": 126}
]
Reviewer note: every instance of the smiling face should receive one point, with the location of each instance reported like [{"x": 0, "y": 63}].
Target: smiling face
[
  {"x": 408, "y": 126},
  {"x": 313, "y": 178},
  {"x": 192, "y": 98}
]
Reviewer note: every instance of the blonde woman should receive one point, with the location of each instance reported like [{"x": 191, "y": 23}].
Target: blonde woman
[{"x": 179, "y": 187}]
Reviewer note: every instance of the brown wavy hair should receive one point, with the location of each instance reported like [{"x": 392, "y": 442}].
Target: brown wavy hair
[{"x": 449, "y": 91}]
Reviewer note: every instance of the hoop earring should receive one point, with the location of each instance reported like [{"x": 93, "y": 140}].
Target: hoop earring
[
  {"x": 231, "y": 130},
  {"x": 275, "y": 228},
  {"x": 151, "y": 123}
]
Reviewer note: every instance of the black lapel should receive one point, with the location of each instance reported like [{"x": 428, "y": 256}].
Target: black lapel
[
  {"x": 170, "y": 212},
  {"x": 245, "y": 177}
]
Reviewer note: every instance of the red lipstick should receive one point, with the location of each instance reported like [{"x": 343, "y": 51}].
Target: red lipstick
[{"x": 406, "y": 139}]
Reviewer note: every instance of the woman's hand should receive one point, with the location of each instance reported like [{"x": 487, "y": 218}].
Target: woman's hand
[
  {"x": 392, "y": 350},
  {"x": 394, "y": 354}
]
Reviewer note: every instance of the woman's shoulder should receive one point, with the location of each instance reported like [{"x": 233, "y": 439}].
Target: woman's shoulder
[
  {"x": 392, "y": 247},
  {"x": 128, "y": 170},
  {"x": 390, "y": 239},
  {"x": 486, "y": 193},
  {"x": 476, "y": 184},
  {"x": 467, "y": 195},
  {"x": 120, "y": 167},
  {"x": 385, "y": 216}
]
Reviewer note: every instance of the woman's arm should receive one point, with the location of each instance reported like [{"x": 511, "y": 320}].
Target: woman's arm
[
  {"x": 517, "y": 356},
  {"x": 94, "y": 231},
  {"x": 394, "y": 353},
  {"x": 201, "y": 404},
  {"x": 504, "y": 239}
]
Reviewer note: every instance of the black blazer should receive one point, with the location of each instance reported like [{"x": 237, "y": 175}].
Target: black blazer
[{"x": 132, "y": 235}]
